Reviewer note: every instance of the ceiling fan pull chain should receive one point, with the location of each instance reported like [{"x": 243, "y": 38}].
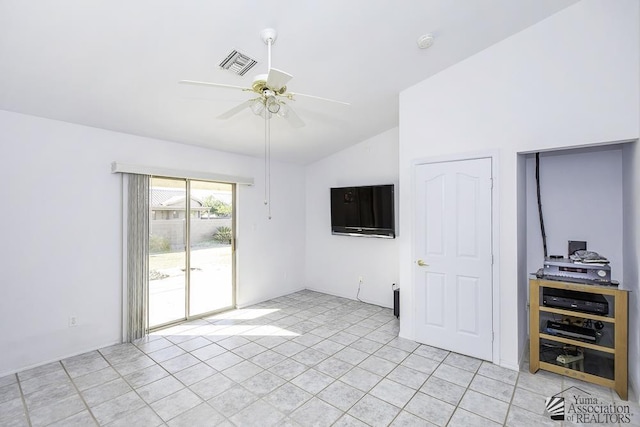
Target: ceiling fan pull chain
[
  {"x": 267, "y": 163},
  {"x": 268, "y": 169},
  {"x": 266, "y": 133}
]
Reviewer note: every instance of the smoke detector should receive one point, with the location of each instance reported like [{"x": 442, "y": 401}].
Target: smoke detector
[{"x": 425, "y": 41}]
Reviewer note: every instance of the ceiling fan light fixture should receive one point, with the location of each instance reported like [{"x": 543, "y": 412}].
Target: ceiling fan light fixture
[
  {"x": 257, "y": 107},
  {"x": 273, "y": 105}
]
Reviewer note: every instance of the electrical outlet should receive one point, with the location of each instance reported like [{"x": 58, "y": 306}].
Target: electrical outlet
[
  {"x": 73, "y": 321},
  {"x": 360, "y": 280}
]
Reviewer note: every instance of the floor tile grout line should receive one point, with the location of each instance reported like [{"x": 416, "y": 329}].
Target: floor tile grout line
[
  {"x": 133, "y": 389},
  {"x": 414, "y": 393},
  {"x": 28, "y": 411},
  {"x": 79, "y": 393},
  {"x": 24, "y": 401},
  {"x": 513, "y": 392},
  {"x": 369, "y": 355},
  {"x": 475, "y": 372},
  {"x": 318, "y": 392},
  {"x": 513, "y": 395},
  {"x": 169, "y": 374},
  {"x": 262, "y": 397},
  {"x": 465, "y": 392},
  {"x": 344, "y": 412},
  {"x": 289, "y": 382},
  {"x": 384, "y": 377},
  {"x": 421, "y": 385}
]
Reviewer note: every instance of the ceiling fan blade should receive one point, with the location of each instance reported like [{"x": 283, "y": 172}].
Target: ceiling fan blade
[
  {"x": 196, "y": 83},
  {"x": 277, "y": 79},
  {"x": 235, "y": 110},
  {"x": 290, "y": 95},
  {"x": 292, "y": 118}
]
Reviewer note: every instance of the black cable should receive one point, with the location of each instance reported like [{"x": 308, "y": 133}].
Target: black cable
[{"x": 544, "y": 235}]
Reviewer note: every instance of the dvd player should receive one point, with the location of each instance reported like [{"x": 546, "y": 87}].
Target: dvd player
[
  {"x": 575, "y": 300},
  {"x": 570, "y": 331}
]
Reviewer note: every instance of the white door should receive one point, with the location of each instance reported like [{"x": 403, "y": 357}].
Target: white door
[{"x": 453, "y": 265}]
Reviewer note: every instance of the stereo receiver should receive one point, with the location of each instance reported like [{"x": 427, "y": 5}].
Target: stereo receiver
[{"x": 565, "y": 269}]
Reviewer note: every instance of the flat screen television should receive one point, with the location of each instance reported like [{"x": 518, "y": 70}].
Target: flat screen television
[{"x": 363, "y": 211}]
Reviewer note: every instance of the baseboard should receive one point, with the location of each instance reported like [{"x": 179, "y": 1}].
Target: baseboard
[
  {"x": 406, "y": 337},
  {"x": 508, "y": 365},
  {"x": 270, "y": 296},
  {"x": 46, "y": 362},
  {"x": 523, "y": 354},
  {"x": 518, "y": 365},
  {"x": 351, "y": 297},
  {"x": 634, "y": 392},
  {"x": 335, "y": 294}
]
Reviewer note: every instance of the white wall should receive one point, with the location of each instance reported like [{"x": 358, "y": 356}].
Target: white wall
[
  {"x": 631, "y": 254},
  {"x": 270, "y": 257},
  {"x": 61, "y": 232},
  {"x": 573, "y": 211},
  {"x": 569, "y": 80},
  {"x": 334, "y": 263}
]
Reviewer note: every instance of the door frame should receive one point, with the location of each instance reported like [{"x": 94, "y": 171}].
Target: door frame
[{"x": 495, "y": 234}]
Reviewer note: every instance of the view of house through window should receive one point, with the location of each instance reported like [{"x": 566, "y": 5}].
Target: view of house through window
[{"x": 190, "y": 249}]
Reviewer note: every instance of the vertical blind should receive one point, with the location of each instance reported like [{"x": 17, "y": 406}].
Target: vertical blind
[{"x": 137, "y": 256}]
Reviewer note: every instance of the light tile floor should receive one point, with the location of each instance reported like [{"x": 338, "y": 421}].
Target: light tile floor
[{"x": 305, "y": 359}]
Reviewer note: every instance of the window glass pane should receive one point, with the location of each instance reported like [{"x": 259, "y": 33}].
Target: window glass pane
[
  {"x": 211, "y": 234},
  {"x": 167, "y": 256}
]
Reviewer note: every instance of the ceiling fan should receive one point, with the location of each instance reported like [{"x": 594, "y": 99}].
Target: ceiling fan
[{"x": 271, "y": 89}]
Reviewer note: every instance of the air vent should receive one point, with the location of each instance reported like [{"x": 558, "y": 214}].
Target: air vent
[{"x": 238, "y": 63}]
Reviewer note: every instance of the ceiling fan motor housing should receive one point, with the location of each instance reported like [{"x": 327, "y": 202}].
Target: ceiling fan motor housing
[{"x": 259, "y": 85}]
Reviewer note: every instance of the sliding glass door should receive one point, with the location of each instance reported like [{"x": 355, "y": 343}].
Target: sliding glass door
[
  {"x": 167, "y": 251},
  {"x": 191, "y": 255},
  {"x": 211, "y": 248}
]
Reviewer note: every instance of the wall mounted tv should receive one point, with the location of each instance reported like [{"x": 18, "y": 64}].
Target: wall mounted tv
[{"x": 363, "y": 211}]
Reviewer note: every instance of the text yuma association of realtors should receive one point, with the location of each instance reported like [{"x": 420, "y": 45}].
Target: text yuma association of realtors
[{"x": 588, "y": 410}]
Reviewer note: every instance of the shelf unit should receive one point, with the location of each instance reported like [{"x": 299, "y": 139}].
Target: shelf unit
[{"x": 609, "y": 353}]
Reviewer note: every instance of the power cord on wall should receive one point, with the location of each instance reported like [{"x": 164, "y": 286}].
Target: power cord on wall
[
  {"x": 544, "y": 234},
  {"x": 366, "y": 302}
]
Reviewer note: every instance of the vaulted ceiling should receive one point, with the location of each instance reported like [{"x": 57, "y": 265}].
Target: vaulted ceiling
[{"x": 115, "y": 64}]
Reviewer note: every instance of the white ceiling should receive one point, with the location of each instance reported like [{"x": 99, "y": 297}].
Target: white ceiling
[{"x": 115, "y": 64}]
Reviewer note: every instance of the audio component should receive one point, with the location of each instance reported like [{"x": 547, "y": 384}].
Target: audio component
[
  {"x": 574, "y": 300},
  {"x": 565, "y": 269},
  {"x": 570, "y": 331}
]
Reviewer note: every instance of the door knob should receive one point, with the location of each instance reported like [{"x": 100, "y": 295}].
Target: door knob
[{"x": 421, "y": 263}]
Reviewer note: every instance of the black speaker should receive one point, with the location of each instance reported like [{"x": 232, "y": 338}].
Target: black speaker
[
  {"x": 576, "y": 245},
  {"x": 396, "y": 302}
]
